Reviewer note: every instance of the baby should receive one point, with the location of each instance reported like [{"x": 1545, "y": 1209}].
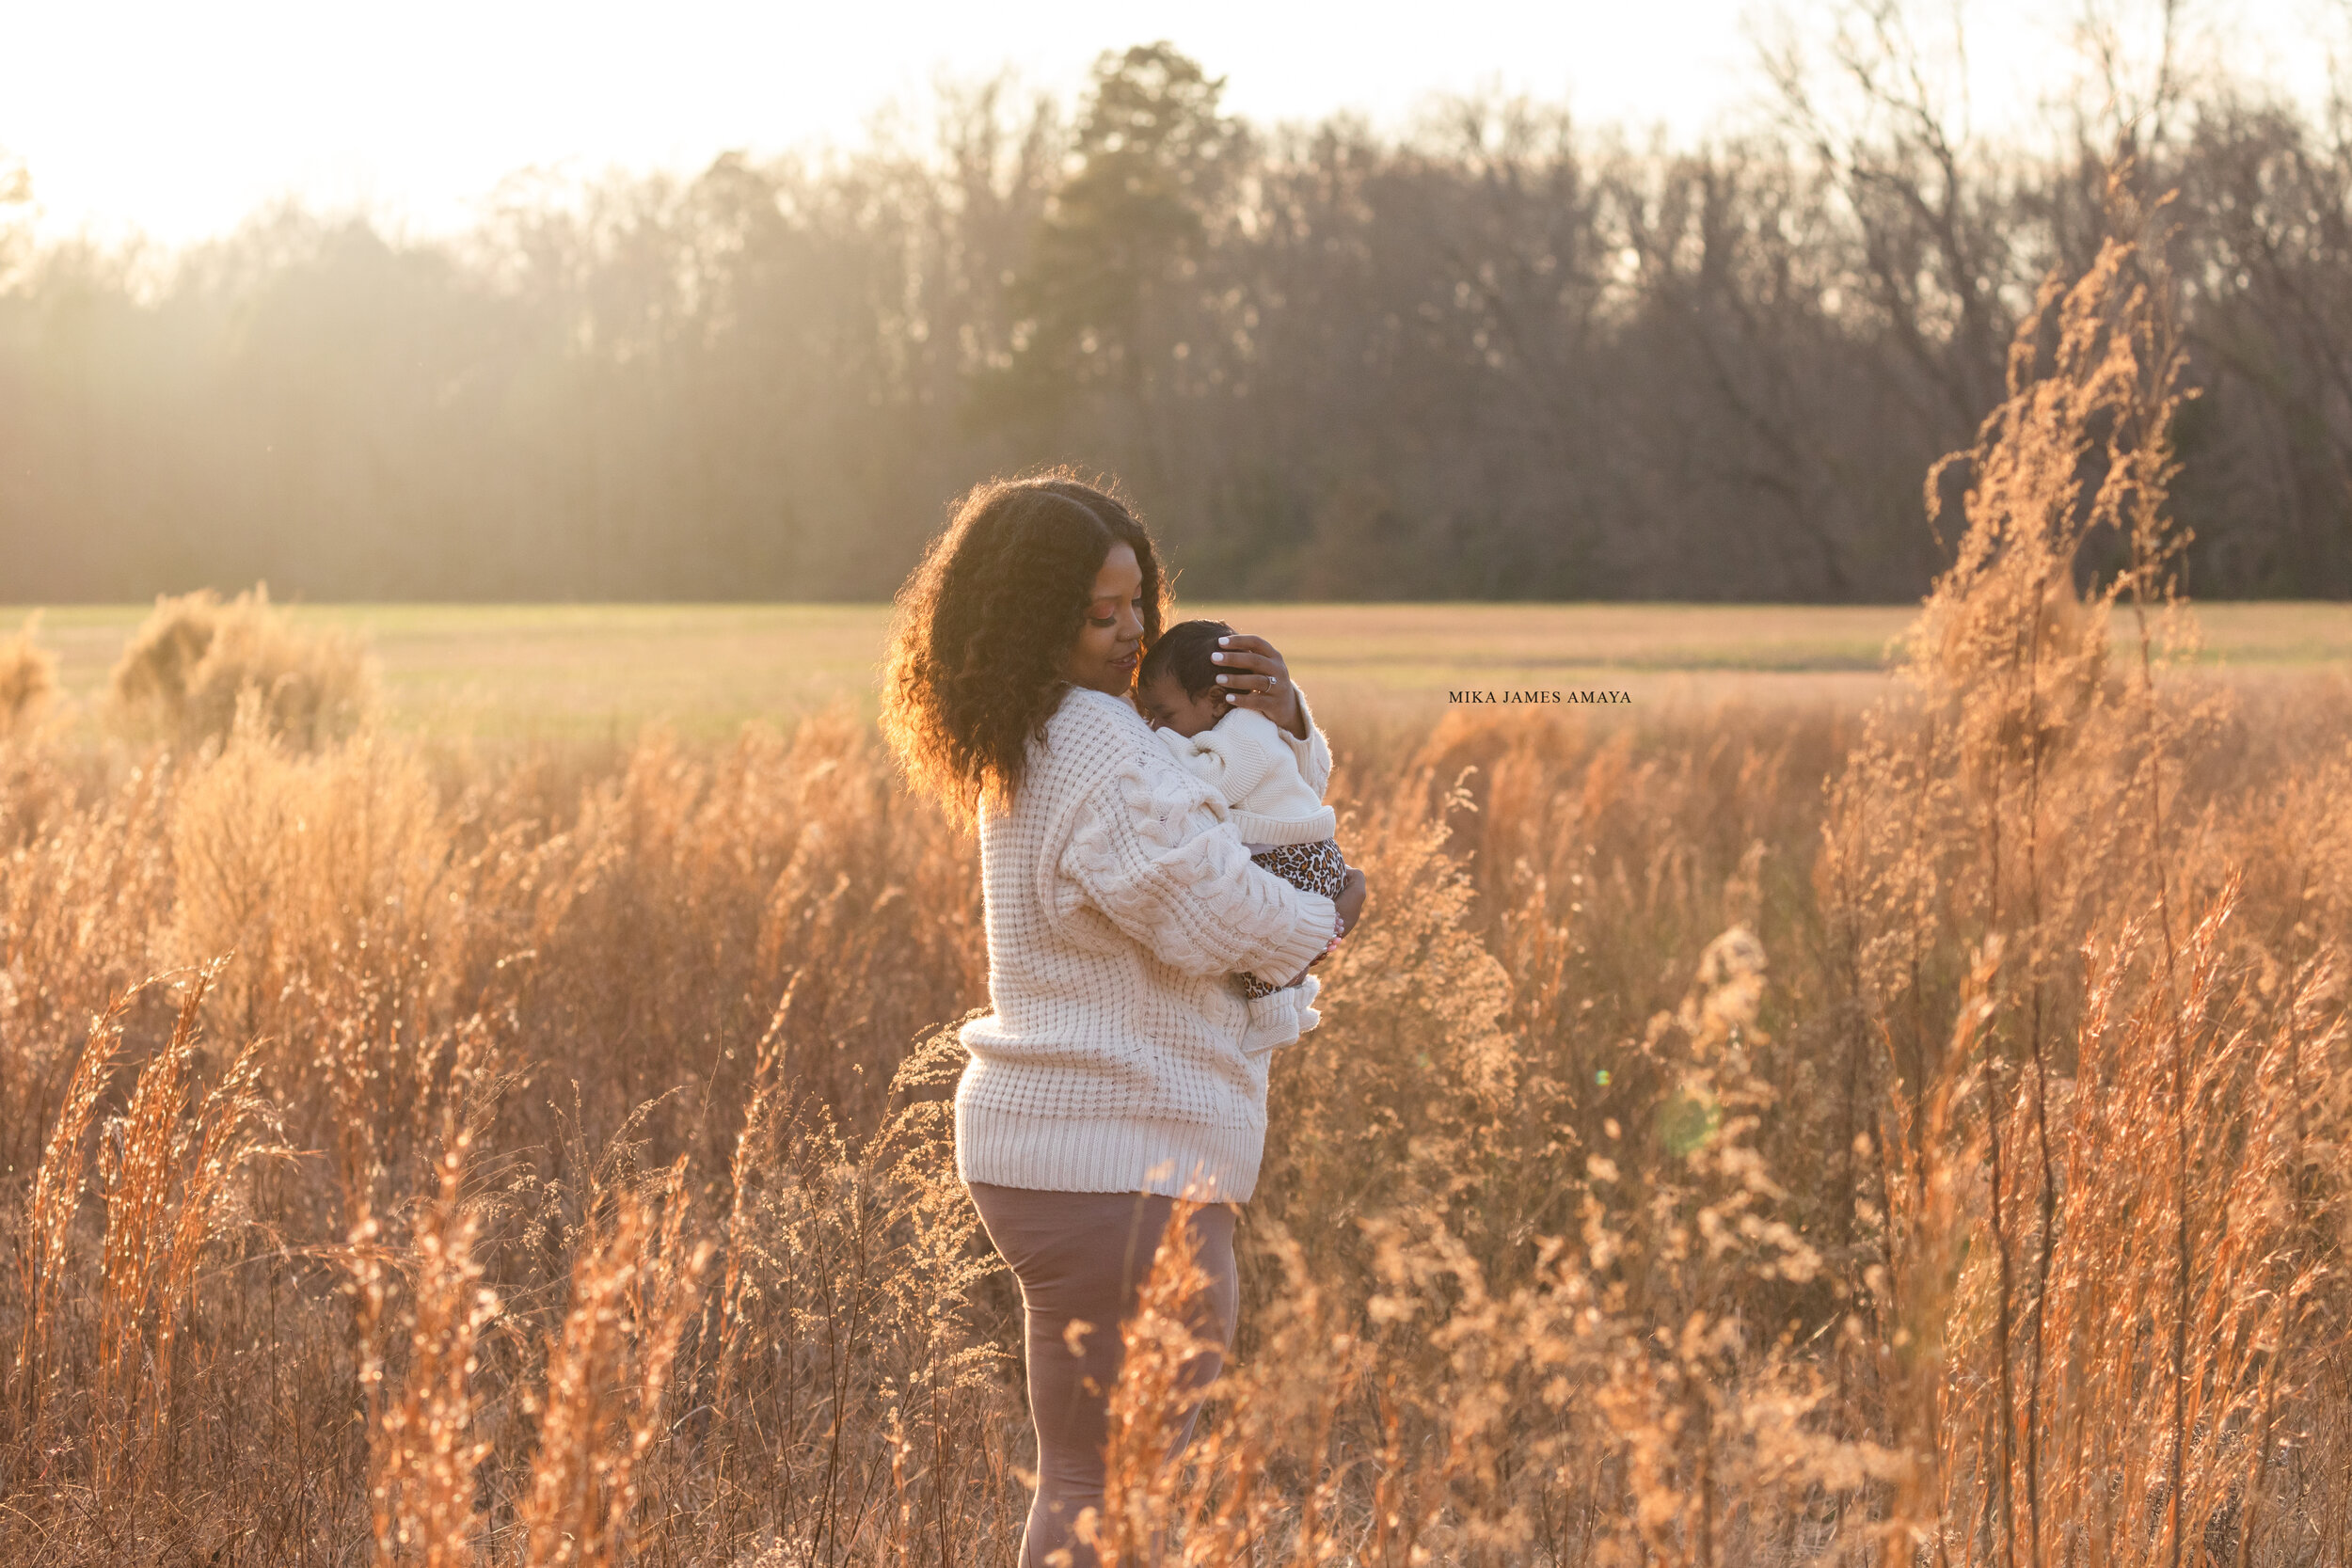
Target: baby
[{"x": 1241, "y": 751}]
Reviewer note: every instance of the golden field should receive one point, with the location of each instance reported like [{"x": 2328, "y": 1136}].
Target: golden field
[
  {"x": 603, "y": 672},
  {"x": 1895, "y": 1119}
]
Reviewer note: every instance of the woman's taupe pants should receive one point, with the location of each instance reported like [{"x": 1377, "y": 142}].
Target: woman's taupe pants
[{"x": 1083, "y": 1257}]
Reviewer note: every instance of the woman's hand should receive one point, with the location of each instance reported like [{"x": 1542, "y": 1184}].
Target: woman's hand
[
  {"x": 1352, "y": 897},
  {"x": 1252, "y": 675},
  {"x": 1351, "y": 907}
]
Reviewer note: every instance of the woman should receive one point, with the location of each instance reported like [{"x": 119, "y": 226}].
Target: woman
[{"x": 1121, "y": 1066}]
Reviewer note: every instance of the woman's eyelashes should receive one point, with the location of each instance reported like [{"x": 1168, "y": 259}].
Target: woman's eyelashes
[{"x": 1136, "y": 605}]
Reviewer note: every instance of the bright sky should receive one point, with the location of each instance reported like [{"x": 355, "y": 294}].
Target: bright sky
[{"x": 178, "y": 119}]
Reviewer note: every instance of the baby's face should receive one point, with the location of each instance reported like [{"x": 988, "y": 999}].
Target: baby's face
[{"x": 1165, "y": 702}]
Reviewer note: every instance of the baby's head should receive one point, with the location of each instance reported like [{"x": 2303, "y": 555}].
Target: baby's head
[{"x": 1176, "y": 684}]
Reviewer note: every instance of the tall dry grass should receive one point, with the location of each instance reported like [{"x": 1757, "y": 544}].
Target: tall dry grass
[
  {"x": 28, "y": 679},
  {"x": 196, "y": 661},
  {"x": 1739, "y": 1137}
]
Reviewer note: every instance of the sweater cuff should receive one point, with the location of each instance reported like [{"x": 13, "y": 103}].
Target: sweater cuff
[
  {"x": 1254, "y": 828},
  {"x": 1303, "y": 943},
  {"x": 1279, "y": 1017}
]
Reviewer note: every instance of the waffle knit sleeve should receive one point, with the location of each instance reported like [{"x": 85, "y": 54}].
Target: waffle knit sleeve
[{"x": 1149, "y": 849}]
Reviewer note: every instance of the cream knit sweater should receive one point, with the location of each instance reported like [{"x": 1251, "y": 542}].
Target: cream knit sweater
[{"x": 1118, "y": 1056}]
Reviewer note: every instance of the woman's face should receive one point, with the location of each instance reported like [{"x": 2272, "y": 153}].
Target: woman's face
[{"x": 1110, "y": 638}]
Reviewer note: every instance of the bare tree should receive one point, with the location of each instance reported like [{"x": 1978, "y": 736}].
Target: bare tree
[{"x": 1503, "y": 355}]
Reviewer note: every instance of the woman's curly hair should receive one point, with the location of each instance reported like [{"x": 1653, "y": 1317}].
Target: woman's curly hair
[{"x": 984, "y": 627}]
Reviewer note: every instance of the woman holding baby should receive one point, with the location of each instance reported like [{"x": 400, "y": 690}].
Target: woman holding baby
[{"x": 1142, "y": 964}]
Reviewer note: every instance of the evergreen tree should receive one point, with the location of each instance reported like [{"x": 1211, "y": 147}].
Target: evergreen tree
[{"x": 1125, "y": 227}]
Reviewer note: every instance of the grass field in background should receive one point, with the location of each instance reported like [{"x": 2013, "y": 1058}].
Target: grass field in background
[
  {"x": 526, "y": 1015},
  {"x": 526, "y": 671}
]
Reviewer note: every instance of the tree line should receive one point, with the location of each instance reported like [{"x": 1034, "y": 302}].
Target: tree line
[{"x": 1503, "y": 355}]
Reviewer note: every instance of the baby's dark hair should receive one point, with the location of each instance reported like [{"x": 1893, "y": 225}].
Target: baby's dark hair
[{"x": 1183, "y": 651}]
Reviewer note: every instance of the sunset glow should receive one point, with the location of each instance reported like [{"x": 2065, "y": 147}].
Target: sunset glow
[{"x": 177, "y": 121}]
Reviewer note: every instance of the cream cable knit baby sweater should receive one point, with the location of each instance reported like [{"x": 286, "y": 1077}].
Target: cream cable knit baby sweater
[
  {"x": 1244, "y": 757},
  {"x": 1117, "y": 1056}
]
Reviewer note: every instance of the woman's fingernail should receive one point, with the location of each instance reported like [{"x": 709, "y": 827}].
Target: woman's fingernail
[
  {"x": 1223, "y": 641},
  {"x": 1217, "y": 657}
]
